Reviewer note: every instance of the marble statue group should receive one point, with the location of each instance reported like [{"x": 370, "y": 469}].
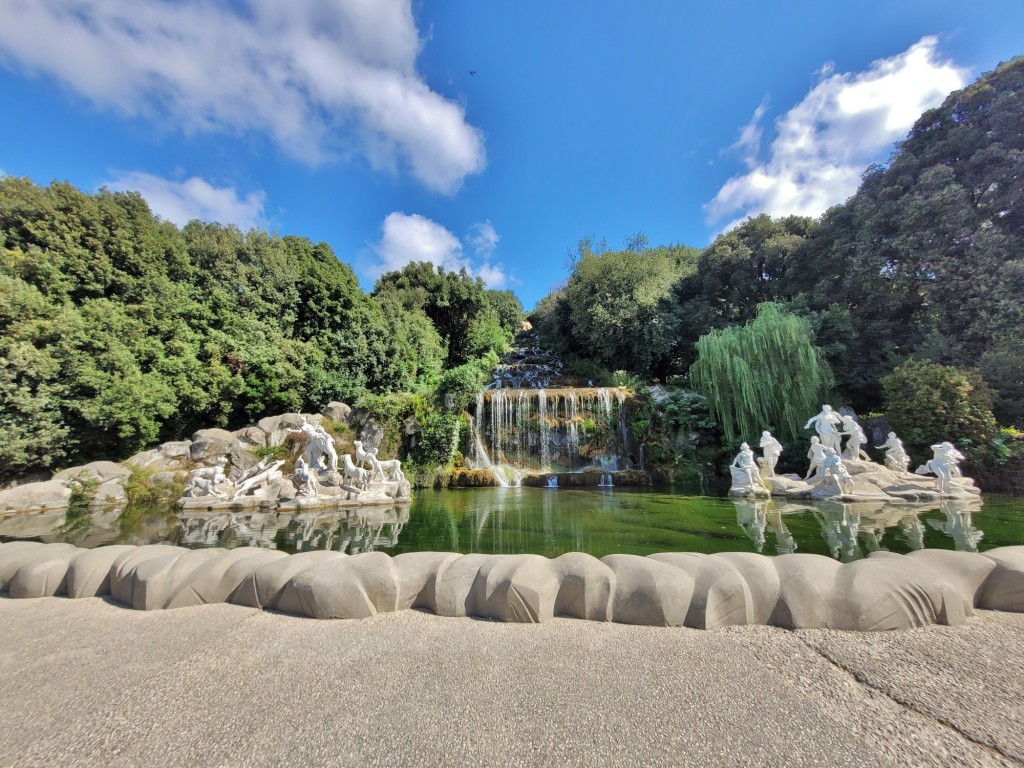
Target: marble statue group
[
  {"x": 837, "y": 463},
  {"x": 316, "y": 473}
]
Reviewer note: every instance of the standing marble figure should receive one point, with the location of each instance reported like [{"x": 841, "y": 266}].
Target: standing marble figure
[
  {"x": 825, "y": 424},
  {"x": 772, "y": 449}
]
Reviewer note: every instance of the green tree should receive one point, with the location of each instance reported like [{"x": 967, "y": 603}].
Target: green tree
[
  {"x": 618, "y": 308},
  {"x": 928, "y": 403},
  {"x": 766, "y": 374}
]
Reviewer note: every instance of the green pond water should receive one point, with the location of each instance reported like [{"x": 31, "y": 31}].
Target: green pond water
[{"x": 553, "y": 521}]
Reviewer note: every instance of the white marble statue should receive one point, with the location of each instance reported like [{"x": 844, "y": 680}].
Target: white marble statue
[
  {"x": 948, "y": 453},
  {"x": 204, "y": 481},
  {"x": 264, "y": 477},
  {"x": 304, "y": 479},
  {"x": 745, "y": 474},
  {"x": 772, "y": 449},
  {"x": 388, "y": 468},
  {"x": 325, "y": 444},
  {"x": 896, "y": 457},
  {"x": 816, "y": 453},
  {"x": 360, "y": 477},
  {"x": 834, "y": 468},
  {"x": 318, "y": 443},
  {"x": 825, "y": 424},
  {"x": 364, "y": 458},
  {"x": 855, "y": 439},
  {"x": 944, "y": 465}
]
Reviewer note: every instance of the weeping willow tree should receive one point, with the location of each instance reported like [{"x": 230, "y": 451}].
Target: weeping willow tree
[{"x": 764, "y": 375}]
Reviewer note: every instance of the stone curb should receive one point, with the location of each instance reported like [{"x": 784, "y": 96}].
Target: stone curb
[{"x": 883, "y": 592}]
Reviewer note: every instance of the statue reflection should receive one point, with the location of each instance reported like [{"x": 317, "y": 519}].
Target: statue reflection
[
  {"x": 751, "y": 517},
  {"x": 840, "y": 524},
  {"x": 853, "y": 530},
  {"x": 958, "y": 524},
  {"x": 348, "y": 530}
]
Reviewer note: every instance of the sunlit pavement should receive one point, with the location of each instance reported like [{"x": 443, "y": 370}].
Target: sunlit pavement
[{"x": 88, "y": 682}]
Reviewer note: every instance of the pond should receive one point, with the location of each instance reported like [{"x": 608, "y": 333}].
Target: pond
[{"x": 550, "y": 522}]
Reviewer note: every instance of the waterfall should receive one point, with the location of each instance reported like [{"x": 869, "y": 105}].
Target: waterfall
[
  {"x": 545, "y": 432},
  {"x": 570, "y": 420},
  {"x": 532, "y": 419}
]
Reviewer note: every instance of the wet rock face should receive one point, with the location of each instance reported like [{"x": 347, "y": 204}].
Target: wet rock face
[{"x": 884, "y": 592}]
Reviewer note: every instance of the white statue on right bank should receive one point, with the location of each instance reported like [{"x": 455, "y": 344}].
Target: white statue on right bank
[
  {"x": 816, "y": 453},
  {"x": 772, "y": 449},
  {"x": 855, "y": 439},
  {"x": 896, "y": 458},
  {"x": 304, "y": 479},
  {"x": 825, "y": 424},
  {"x": 208, "y": 481},
  {"x": 745, "y": 475},
  {"x": 948, "y": 453},
  {"x": 834, "y": 468}
]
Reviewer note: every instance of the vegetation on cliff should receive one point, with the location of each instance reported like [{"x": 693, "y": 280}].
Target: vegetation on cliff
[
  {"x": 118, "y": 329},
  {"x": 924, "y": 263}
]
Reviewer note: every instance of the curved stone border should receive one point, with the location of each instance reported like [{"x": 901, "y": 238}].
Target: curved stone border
[{"x": 885, "y": 591}]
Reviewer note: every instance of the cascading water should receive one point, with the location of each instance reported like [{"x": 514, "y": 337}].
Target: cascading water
[{"x": 530, "y": 420}]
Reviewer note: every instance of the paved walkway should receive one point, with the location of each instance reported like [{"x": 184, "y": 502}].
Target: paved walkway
[{"x": 87, "y": 682}]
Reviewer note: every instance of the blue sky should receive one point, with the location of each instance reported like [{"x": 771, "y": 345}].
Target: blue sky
[{"x": 357, "y": 122}]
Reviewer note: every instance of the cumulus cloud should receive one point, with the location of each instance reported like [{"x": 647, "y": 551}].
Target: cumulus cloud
[
  {"x": 323, "y": 80},
  {"x": 194, "y": 198},
  {"x": 411, "y": 237},
  {"x": 824, "y": 143}
]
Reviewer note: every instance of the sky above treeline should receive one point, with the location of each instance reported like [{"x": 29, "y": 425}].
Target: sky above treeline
[{"x": 486, "y": 135}]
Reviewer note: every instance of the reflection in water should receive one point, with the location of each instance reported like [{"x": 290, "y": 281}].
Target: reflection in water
[
  {"x": 958, "y": 525},
  {"x": 550, "y": 522},
  {"x": 854, "y": 530},
  {"x": 785, "y": 544},
  {"x": 349, "y": 530},
  {"x": 752, "y": 519}
]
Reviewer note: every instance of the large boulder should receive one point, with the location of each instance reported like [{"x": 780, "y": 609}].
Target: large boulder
[
  {"x": 110, "y": 493},
  {"x": 208, "y": 445},
  {"x": 276, "y": 428},
  {"x": 649, "y": 592},
  {"x": 417, "y": 578},
  {"x": 52, "y": 494},
  {"x": 263, "y": 588},
  {"x": 103, "y": 470},
  {"x": 336, "y": 411},
  {"x": 176, "y": 449},
  {"x": 43, "y": 576},
  {"x": 251, "y": 437},
  {"x": 355, "y": 587}
]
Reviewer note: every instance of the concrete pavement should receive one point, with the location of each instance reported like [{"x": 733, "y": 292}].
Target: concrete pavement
[{"x": 88, "y": 682}]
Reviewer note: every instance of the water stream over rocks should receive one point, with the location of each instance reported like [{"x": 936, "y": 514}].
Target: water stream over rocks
[{"x": 534, "y": 423}]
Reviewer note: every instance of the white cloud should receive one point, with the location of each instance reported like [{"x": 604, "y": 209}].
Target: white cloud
[
  {"x": 483, "y": 239},
  {"x": 749, "y": 142},
  {"x": 411, "y": 237},
  {"x": 194, "y": 198},
  {"x": 824, "y": 143},
  {"x": 322, "y": 79}
]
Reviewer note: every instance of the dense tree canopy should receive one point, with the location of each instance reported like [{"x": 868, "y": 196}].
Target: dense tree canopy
[
  {"x": 118, "y": 329},
  {"x": 926, "y": 261}
]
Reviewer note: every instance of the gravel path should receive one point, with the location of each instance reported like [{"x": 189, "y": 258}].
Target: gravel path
[{"x": 87, "y": 682}]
